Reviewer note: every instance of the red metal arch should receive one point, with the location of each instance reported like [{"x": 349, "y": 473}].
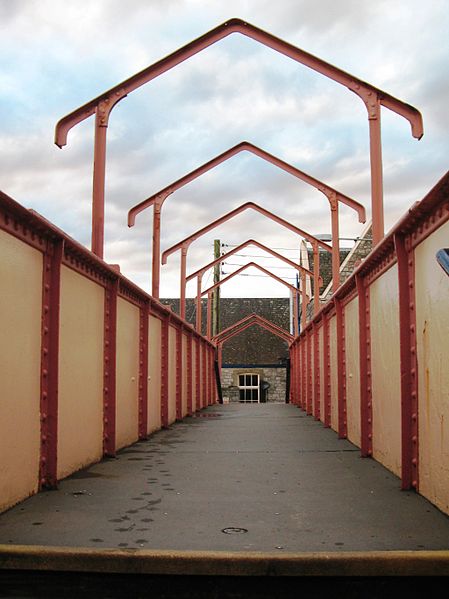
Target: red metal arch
[
  {"x": 199, "y": 274},
  {"x": 102, "y": 105},
  {"x": 185, "y": 243},
  {"x": 246, "y": 323},
  {"x": 157, "y": 200},
  {"x": 223, "y": 335},
  {"x": 294, "y": 290}
]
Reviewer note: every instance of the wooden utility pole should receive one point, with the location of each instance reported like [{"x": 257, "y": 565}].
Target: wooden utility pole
[{"x": 216, "y": 293}]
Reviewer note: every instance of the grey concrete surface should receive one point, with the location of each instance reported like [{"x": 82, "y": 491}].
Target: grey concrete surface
[{"x": 269, "y": 476}]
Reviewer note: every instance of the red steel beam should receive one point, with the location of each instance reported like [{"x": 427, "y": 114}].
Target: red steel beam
[
  {"x": 102, "y": 105},
  {"x": 309, "y": 405},
  {"x": 268, "y": 273},
  {"x": 366, "y": 410},
  {"x": 197, "y": 375},
  {"x": 316, "y": 373},
  {"x": 157, "y": 200},
  {"x": 109, "y": 370},
  {"x": 185, "y": 243},
  {"x": 200, "y": 272},
  {"x": 409, "y": 364},
  {"x": 51, "y": 290},
  {"x": 257, "y": 317},
  {"x": 326, "y": 371},
  {"x": 251, "y": 323},
  {"x": 189, "y": 366},
  {"x": 341, "y": 370},
  {"x": 179, "y": 365},
  {"x": 164, "y": 372},
  {"x": 143, "y": 371}
]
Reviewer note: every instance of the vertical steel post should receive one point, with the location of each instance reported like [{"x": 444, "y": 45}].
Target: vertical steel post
[
  {"x": 198, "y": 304},
  {"x": 309, "y": 374},
  {"x": 182, "y": 297},
  {"x": 335, "y": 241},
  {"x": 326, "y": 371},
  {"x": 303, "y": 300},
  {"x": 409, "y": 366},
  {"x": 110, "y": 367},
  {"x": 377, "y": 206},
  {"x": 99, "y": 174},
  {"x": 189, "y": 366},
  {"x": 316, "y": 277},
  {"x": 316, "y": 372},
  {"x": 366, "y": 411},
  {"x": 341, "y": 370},
  {"x": 209, "y": 315},
  {"x": 179, "y": 366},
  {"x": 143, "y": 371},
  {"x": 292, "y": 353},
  {"x": 51, "y": 291},
  {"x": 304, "y": 372},
  {"x": 156, "y": 253},
  {"x": 203, "y": 376},
  {"x": 216, "y": 295},
  {"x": 198, "y": 375},
  {"x": 164, "y": 371}
]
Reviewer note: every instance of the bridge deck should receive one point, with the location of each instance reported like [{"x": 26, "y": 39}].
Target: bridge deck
[{"x": 272, "y": 476}]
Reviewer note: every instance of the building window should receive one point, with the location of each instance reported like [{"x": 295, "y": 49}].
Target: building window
[{"x": 249, "y": 388}]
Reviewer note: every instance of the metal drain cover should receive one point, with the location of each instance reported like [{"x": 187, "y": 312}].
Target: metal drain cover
[{"x": 233, "y": 530}]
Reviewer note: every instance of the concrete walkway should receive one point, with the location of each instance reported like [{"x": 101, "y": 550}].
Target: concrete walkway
[{"x": 233, "y": 478}]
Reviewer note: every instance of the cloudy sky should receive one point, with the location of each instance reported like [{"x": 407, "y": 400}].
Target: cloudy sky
[{"x": 56, "y": 55}]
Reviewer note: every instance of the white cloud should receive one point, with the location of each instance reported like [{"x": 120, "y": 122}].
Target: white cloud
[{"x": 57, "y": 55}]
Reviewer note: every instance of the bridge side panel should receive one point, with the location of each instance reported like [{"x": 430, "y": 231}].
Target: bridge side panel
[
  {"x": 184, "y": 375},
  {"x": 333, "y": 369},
  {"x": 322, "y": 385},
  {"x": 20, "y": 357},
  {"x": 432, "y": 324},
  {"x": 385, "y": 358},
  {"x": 171, "y": 374},
  {"x": 154, "y": 372},
  {"x": 127, "y": 365},
  {"x": 352, "y": 371},
  {"x": 80, "y": 411}
]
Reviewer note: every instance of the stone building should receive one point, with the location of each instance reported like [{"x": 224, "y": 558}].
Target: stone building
[{"x": 255, "y": 362}]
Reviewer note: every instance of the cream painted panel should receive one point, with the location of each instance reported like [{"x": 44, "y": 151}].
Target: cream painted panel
[
  {"x": 351, "y": 312},
  {"x": 80, "y": 421},
  {"x": 432, "y": 320},
  {"x": 322, "y": 382},
  {"x": 154, "y": 372},
  {"x": 20, "y": 356},
  {"x": 184, "y": 375},
  {"x": 127, "y": 381},
  {"x": 171, "y": 374},
  {"x": 334, "y": 372},
  {"x": 386, "y": 370}
]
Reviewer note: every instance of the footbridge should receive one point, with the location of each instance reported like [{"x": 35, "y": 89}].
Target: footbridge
[{"x": 121, "y": 468}]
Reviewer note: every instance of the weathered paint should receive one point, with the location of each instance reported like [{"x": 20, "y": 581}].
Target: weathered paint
[
  {"x": 20, "y": 324},
  {"x": 432, "y": 323},
  {"x": 127, "y": 364},
  {"x": 154, "y": 373},
  {"x": 184, "y": 375},
  {"x": 333, "y": 368},
  {"x": 80, "y": 425},
  {"x": 386, "y": 370},
  {"x": 352, "y": 370},
  {"x": 171, "y": 374}
]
